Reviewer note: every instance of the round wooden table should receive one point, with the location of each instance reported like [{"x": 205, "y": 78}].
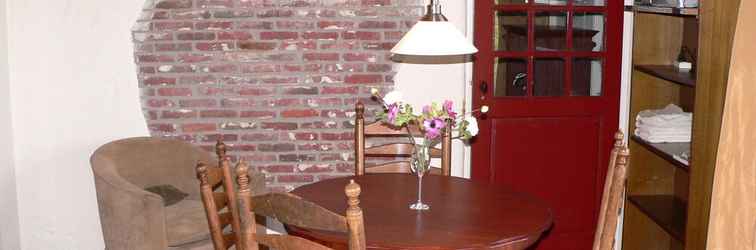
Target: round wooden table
[{"x": 463, "y": 214}]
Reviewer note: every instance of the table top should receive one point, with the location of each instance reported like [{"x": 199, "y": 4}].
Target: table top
[{"x": 463, "y": 214}]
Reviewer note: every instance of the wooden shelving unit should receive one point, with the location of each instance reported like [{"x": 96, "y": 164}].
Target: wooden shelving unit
[
  {"x": 669, "y": 73},
  {"x": 666, "y": 10},
  {"x": 668, "y": 199}
]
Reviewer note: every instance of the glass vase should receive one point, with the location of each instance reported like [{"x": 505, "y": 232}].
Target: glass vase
[{"x": 420, "y": 165}]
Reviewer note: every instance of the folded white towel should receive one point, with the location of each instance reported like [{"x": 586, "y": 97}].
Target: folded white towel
[{"x": 672, "y": 114}]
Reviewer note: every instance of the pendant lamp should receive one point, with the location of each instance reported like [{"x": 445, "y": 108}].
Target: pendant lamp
[{"x": 434, "y": 35}]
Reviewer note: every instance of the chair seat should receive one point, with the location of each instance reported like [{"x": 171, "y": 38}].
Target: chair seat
[{"x": 186, "y": 223}]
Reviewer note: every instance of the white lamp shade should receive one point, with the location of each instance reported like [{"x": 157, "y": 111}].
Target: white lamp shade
[{"x": 434, "y": 38}]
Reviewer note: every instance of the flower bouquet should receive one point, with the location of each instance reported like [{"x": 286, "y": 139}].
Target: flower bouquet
[{"x": 432, "y": 121}]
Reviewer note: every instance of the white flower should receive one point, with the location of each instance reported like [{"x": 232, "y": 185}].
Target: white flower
[
  {"x": 484, "y": 109},
  {"x": 393, "y": 97},
  {"x": 472, "y": 125},
  {"x": 373, "y": 91}
]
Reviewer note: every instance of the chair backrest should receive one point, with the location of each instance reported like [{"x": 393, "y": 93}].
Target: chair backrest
[
  {"x": 211, "y": 178},
  {"x": 614, "y": 190},
  {"x": 398, "y": 149},
  {"x": 292, "y": 210}
]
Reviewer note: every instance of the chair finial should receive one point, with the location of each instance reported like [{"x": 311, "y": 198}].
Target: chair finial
[
  {"x": 220, "y": 148},
  {"x": 619, "y": 139},
  {"x": 242, "y": 176},
  {"x": 202, "y": 173},
  {"x": 352, "y": 191},
  {"x": 360, "y": 109}
]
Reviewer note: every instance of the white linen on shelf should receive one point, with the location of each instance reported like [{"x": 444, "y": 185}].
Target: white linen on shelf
[{"x": 670, "y": 124}]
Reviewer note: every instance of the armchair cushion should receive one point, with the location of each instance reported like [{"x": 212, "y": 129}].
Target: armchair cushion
[
  {"x": 170, "y": 194},
  {"x": 187, "y": 223}
]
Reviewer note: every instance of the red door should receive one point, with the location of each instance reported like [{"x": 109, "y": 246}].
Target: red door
[{"x": 550, "y": 71}]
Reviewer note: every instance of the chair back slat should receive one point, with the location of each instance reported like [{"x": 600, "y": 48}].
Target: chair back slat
[
  {"x": 212, "y": 178},
  {"x": 287, "y": 242},
  {"x": 380, "y": 129},
  {"x": 391, "y": 167},
  {"x": 295, "y": 211},
  {"x": 398, "y": 150},
  {"x": 611, "y": 200}
]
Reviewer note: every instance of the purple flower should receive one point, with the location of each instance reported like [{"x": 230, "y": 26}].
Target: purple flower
[
  {"x": 448, "y": 107},
  {"x": 427, "y": 110},
  {"x": 393, "y": 111},
  {"x": 433, "y": 128}
]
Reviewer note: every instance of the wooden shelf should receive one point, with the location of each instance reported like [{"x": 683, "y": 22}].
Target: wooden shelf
[
  {"x": 665, "y": 210},
  {"x": 669, "y": 73},
  {"x": 667, "y": 151},
  {"x": 666, "y": 10}
]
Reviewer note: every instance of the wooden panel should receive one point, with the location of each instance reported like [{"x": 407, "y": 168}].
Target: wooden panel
[
  {"x": 573, "y": 192},
  {"x": 666, "y": 211},
  {"x": 669, "y": 73},
  {"x": 717, "y": 27},
  {"x": 645, "y": 234},
  {"x": 658, "y": 39},
  {"x": 733, "y": 212},
  {"x": 381, "y": 129},
  {"x": 398, "y": 149}
]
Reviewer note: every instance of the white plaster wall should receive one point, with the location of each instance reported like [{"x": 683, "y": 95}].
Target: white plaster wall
[
  {"x": 72, "y": 89},
  {"x": 8, "y": 203},
  {"x": 422, "y": 84}
]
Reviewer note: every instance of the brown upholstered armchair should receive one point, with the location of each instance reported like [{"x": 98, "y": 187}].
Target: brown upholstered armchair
[{"x": 133, "y": 218}]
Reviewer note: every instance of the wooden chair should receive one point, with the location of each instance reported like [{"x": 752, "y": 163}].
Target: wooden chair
[
  {"x": 611, "y": 200},
  {"x": 401, "y": 150},
  {"x": 211, "y": 178},
  {"x": 293, "y": 210}
]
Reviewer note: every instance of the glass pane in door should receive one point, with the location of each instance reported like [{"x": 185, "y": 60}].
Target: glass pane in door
[
  {"x": 588, "y": 31},
  {"x": 589, "y": 2},
  {"x": 510, "y": 77},
  {"x": 510, "y": 31},
  {"x": 550, "y": 31},
  {"x": 587, "y": 77},
  {"x": 551, "y": 2},
  {"x": 509, "y": 2},
  {"x": 549, "y": 77}
]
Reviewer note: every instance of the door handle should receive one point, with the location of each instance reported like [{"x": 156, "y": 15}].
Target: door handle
[{"x": 483, "y": 87}]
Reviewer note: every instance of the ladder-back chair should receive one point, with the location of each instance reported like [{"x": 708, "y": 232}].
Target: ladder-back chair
[
  {"x": 211, "y": 178},
  {"x": 396, "y": 149},
  {"x": 614, "y": 190}
]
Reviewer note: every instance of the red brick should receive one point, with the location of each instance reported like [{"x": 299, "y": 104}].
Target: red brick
[
  {"x": 256, "y": 25},
  {"x": 258, "y": 114},
  {"x": 378, "y": 46},
  {"x": 280, "y": 125},
  {"x": 173, "y": 4},
  {"x": 174, "y": 68},
  {"x": 339, "y": 45},
  {"x": 191, "y": 14},
  {"x": 153, "y": 37},
  {"x": 159, "y": 103},
  {"x": 194, "y": 58},
  {"x": 393, "y": 35},
  {"x": 195, "y": 36},
  {"x": 299, "y": 113},
  {"x": 363, "y": 79},
  {"x": 278, "y": 35},
  {"x": 238, "y": 102},
  {"x": 173, "y": 47},
  {"x": 259, "y": 158},
  {"x": 294, "y": 24},
  {"x": 260, "y": 137},
  {"x": 257, "y": 45},
  {"x": 296, "y": 158},
  {"x": 215, "y": 137},
  {"x": 197, "y": 103},
  {"x": 279, "y": 147},
  {"x": 361, "y": 35},
  {"x": 335, "y": 25},
  {"x": 178, "y": 114},
  {"x": 320, "y": 147},
  {"x": 300, "y": 136},
  {"x": 378, "y": 25},
  {"x": 162, "y": 127},
  {"x": 198, "y": 127},
  {"x": 215, "y": 3},
  {"x": 218, "y": 114},
  {"x": 282, "y": 102},
  {"x": 298, "y": 45},
  {"x": 320, "y": 125},
  {"x": 337, "y": 136},
  {"x": 359, "y": 57},
  {"x": 344, "y": 67},
  {"x": 215, "y": 46},
  {"x": 197, "y": 79},
  {"x": 154, "y": 58},
  {"x": 260, "y": 68},
  {"x": 331, "y": 157},
  {"x": 318, "y": 102},
  {"x": 254, "y": 91},
  {"x": 376, "y": 2},
  {"x": 216, "y": 25},
  {"x": 314, "y": 168},
  {"x": 321, "y": 56},
  {"x": 220, "y": 68},
  {"x": 280, "y": 80},
  {"x": 275, "y": 13},
  {"x": 234, "y": 35},
  {"x": 276, "y": 169},
  {"x": 380, "y": 68},
  {"x": 159, "y": 80},
  {"x": 295, "y": 178},
  {"x": 171, "y": 26},
  {"x": 301, "y": 91},
  {"x": 339, "y": 90},
  {"x": 174, "y": 92},
  {"x": 320, "y": 35}
]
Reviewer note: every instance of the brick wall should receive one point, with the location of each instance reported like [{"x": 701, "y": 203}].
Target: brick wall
[{"x": 276, "y": 79}]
